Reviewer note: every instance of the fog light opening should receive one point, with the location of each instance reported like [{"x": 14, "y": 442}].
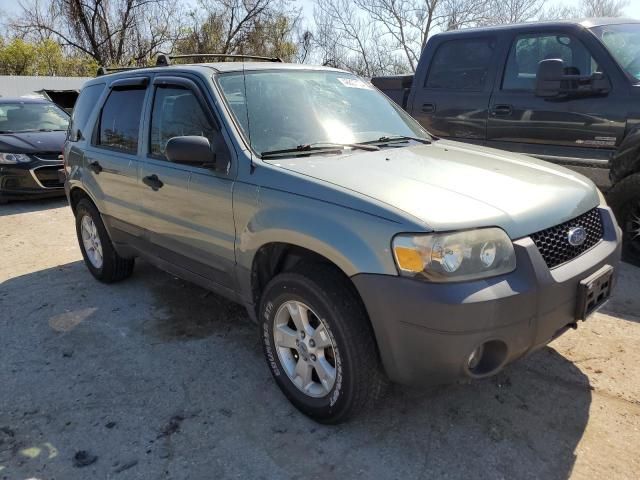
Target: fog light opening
[{"x": 486, "y": 358}]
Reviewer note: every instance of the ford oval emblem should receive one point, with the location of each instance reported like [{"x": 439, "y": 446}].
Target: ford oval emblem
[{"x": 577, "y": 236}]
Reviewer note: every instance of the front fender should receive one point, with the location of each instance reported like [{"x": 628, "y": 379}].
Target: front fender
[{"x": 356, "y": 242}]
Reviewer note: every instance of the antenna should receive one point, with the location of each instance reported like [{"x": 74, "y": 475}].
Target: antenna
[{"x": 252, "y": 167}]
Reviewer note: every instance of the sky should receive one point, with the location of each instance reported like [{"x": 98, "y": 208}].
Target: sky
[{"x": 10, "y": 7}]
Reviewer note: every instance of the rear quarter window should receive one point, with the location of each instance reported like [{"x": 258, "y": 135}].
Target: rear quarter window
[
  {"x": 461, "y": 64},
  {"x": 87, "y": 101}
]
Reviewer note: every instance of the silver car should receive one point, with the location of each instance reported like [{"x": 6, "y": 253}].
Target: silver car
[{"x": 366, "y": 249}]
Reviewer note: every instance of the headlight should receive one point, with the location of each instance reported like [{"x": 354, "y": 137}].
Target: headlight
[
  {"x": 453, "y": 257},
  {"x": 13, "y": 158}
]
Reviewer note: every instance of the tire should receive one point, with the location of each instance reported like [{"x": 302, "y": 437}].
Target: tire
[
  {"x": 336, "y": 314},
  {"x": 624, "y": 199},
  {"x": 113, "y": 267}
]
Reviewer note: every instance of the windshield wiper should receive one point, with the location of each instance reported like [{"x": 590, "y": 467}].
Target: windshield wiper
[
  {"x": 318, "y": 148},
  {"x": 386, "y": 140}
]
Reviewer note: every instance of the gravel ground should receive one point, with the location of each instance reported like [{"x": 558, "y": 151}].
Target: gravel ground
[{"x": 156, "y": 378}]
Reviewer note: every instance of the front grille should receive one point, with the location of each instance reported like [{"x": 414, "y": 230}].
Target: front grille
[
  {"x": 48, "y": 176},
  {"x": 553, "y": 243}
]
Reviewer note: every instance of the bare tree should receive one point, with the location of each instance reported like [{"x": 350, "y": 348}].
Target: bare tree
[
  {"x": 116, "y": 32},
  {"x": 603, "y": 8},
  {"x": 242, "y": 26},
  {"x": 513, "y": 11},
  {"x": 347, "y": 39}
]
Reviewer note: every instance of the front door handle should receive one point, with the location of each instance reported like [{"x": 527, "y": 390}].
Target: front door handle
[
  {"x": 153, "y": 181},
  {"x": 428, "y": 107},
  {"x": 95, "y": 167},
  {"x": 501, "y": 110}
]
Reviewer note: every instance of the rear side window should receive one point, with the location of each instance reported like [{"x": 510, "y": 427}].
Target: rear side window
[
  {"x": 82, "y": 110},
  {"x": 176, "y": 113},
  {"x": 528, "y": 51},
  {"x": 120, "y": 120},
  {"x": 461, "y": 64}
]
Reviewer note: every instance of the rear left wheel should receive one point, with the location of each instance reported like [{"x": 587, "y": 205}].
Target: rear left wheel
[{"x": 100, "y": 256}]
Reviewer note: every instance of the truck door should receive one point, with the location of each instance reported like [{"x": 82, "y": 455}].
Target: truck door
[
  {"x": 579, "y": 132},
  {"x": 450, "y": 96}
]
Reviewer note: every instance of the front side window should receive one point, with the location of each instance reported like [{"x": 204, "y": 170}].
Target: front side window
[
  {"x": 623, "y": 41},
  {"x": 32, "y": 117},
  {"x": 290, "y": 108},
  {"x": 176, "y": 113},
  {"x": 528, "y": 51},
  {"x": 120, "y": 120},
  {"x": 461, "y": 64}
]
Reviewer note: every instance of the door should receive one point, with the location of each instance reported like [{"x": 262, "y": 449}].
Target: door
[
  {"x": 577, "y": 131},
  {"x": 111, "y": 159},
  {"x": 188, "y": 208},
  {"x": 453, "y": 100}
]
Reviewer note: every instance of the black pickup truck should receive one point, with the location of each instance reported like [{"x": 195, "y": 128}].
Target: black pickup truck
[{"x": 566, "y": 92}]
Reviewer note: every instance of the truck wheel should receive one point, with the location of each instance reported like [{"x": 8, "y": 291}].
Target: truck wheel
[
  {"x": 624, "y": 199},
  {"x": 319, "y": 344},
  {"x": 101, "y": 259}
]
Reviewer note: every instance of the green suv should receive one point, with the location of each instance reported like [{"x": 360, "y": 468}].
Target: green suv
[{"x": 365, "y": 248}]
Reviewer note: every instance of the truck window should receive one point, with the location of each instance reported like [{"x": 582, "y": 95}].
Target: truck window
[
  {"x": 176, "y": 112},
  {"x": 528, "y": 51},
  {"x": 120, "y": 120},
  {"x": 461, "y": 64}
]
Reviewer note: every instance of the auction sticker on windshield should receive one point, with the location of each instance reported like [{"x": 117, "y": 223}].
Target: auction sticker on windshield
[{"x": 354, "y": 83}]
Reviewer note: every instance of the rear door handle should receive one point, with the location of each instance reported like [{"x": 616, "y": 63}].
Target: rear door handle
[
  {"x": 153, "y": 182},
  {"x": 95, "y": 167},
  {"x": 428, "y": 107},
  {"x": 502, "y": 110}
]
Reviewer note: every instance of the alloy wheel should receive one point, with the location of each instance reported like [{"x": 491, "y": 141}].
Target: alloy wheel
[
  {"x": 305, "y": 348},
  {"x": 91, "y": 241}
]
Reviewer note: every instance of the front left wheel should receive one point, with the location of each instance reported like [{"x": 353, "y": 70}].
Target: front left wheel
[
  {"x": 319, "y": 344},
  {"x": 98, "y": 252}
]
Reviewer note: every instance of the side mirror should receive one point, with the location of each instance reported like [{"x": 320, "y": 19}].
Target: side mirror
[
  {"x": 190, "y": 150},
  {"x": 553, "y": 81},
  {"x": 549, "y": 77}
]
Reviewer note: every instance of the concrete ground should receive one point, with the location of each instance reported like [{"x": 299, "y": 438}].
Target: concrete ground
[{"x": 156, "y": 378}]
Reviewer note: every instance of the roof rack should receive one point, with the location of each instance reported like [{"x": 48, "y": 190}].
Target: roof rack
[
  {"x": 107, "y": 70},
  {"x": 164, "y": 60}
]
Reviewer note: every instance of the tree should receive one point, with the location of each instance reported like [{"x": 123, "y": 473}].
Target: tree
[
  {"x": 18, "y": 57},
  {"x": 603, "y": 8},
  {"x": 113, "y": 32},
  {"x": 257, "y": 27}
]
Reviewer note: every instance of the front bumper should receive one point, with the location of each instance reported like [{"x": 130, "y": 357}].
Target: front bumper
[
  {"x": 36, "y": 179},
  {"x": 426, "y": 331}
]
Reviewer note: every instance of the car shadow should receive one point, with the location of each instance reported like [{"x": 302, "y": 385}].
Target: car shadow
[
  {"x": 15, "y": 207},
  {"x": 177, "y": 375}
]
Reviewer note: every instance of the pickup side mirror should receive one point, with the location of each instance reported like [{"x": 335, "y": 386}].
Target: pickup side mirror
[
  {"x": 549, "y": 77},
  {"x": 191, "y": 150},
  {"x": 552, "y": 81}
]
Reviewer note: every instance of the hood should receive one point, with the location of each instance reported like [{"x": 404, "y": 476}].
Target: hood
[
  {"x": 32, "y": 142},
  {"x": 450, "y": 186}
]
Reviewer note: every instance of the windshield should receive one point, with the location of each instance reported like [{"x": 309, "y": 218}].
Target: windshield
[
  {"x": 623, "y": 41},
  {"x": 29, "y": 117},
  {"x": 286, "y": 109}
]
